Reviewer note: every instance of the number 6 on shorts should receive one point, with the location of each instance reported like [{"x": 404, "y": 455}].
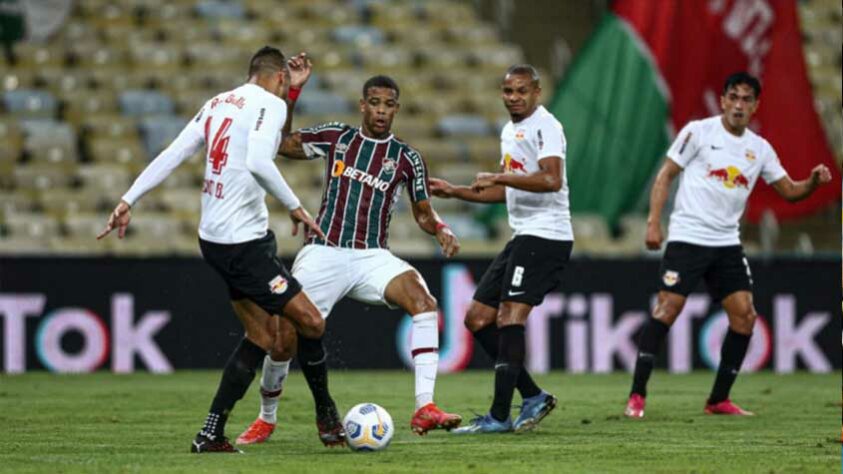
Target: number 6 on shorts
[{"x": 517, "y": 276}]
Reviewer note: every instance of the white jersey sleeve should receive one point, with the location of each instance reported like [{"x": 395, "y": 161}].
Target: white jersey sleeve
[
  {"x": 772, "y": 169},
  {"x": 189, "y": 141},
  {"x": 686, "y": 146},
  {"x": 261, "y": 149},
  {"x": 549, "y": 139}
]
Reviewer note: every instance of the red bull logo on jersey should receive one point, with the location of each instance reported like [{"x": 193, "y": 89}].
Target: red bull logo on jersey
[
  {"x": 278, "y": 285},
  {"x": 731, "y": 177},
  {"x": 340, "y": 169},
  {"x": 512, "y": 165},
  {"x": 232, "y": 99}
]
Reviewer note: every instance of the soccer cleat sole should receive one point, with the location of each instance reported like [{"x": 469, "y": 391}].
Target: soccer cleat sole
[
  {"x": 198, "y": 449},
  {"x": 531, "y": 424},
  {"x": 743, "y": 412},
  {"x": 633, "y": 414}
]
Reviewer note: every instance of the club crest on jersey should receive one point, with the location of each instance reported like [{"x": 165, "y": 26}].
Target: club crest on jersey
[
  {"x": 389, "y": 165},
  {"x": 670, "y": 277},
  {"x": 750, "y": 155},
  {"x": 519, "y": 135},
  {"x": 341, "y": 147},
  {"x": 278, "y": 285}
]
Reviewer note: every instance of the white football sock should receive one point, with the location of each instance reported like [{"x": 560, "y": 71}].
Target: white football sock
[
  {"x": 425, "y": 350},
  {"x": 272, "y": 382}
]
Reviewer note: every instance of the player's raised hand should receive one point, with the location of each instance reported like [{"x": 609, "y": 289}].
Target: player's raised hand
[
  {"x": 448, "y": 241},
  {"x": 300, "y": 215},
  {"x": 441, "y": 188},
  {"x": 483, "y": 181},
  {"x": 119, "y": 218},
  {"x": 821, "y": 174},
  {"x": 654, "y": 236},
  {"x": 300, "y": 69}
]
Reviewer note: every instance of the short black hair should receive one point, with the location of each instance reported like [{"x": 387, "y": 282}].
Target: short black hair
[
  {"x": 524, "y": 69},
  {"x": 267, "y": 59},
  {"x": 742, "y": 78},
  {"x": 381, "y": 81}
]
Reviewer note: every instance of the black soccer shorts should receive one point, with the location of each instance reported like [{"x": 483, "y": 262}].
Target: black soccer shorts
[
  {"x": 252, "y": 270},
  {"x": 525, "y": 271},
  {"x": 724, "y": 269}
]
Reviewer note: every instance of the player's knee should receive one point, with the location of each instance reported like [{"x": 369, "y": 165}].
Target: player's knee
[
  {"x": 506, "y": 317},
  {"x": 317, "y": 324},
  {"x": 473, "y": 323},
  {"x": 284, "y": 352},
  {"x": 311, "y": 324},
  {"x": 747, "y": 320},
  {"x": 262, "y": 339},
  {"x": 283, "y": 349},
  {"x": 423, "y": 303},
  {"x": 667, "y": 311},
  {"x": 476, "y": 320},
  {"x": 479, "y": 316}
]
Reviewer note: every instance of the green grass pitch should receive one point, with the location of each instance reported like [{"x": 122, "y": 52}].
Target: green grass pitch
[{"x": 144, "y": 423}]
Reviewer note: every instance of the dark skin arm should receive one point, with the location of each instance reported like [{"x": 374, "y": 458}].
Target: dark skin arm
[
  {"x": 547, "y": 179},
  {"x": 428, "y": 220},
  {"x": 443, "y": 189},
  {"x": 291, "y": 146},
  {"x": 797, "y": 190}
]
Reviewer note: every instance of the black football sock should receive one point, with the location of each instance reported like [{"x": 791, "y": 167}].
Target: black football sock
[
  {"x": 314, "y": 366},
  {"x": 507, "y": 367},
  {"x": 488, "y": 337},
  {"x": 731, "y": 357},
  {"x": 237, "y": 375},
  {"x": 649, "y": 344}
]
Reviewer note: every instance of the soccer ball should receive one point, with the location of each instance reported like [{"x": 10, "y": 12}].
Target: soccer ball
[{"x": 368, "y": 427}]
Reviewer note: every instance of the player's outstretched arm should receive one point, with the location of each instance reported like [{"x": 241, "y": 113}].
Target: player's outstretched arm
[
  {"x": 188, "y": 142},
  {"x": 547, "y": 179},
  {"x": 658, "y": 196},
  {"x": 430, "y": 222},
  {"x": 443, "y": 189},
  {"x": 797, "y": 190}
]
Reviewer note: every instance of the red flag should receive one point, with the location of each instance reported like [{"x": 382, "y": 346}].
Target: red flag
[{"x": 697, "y": 44}]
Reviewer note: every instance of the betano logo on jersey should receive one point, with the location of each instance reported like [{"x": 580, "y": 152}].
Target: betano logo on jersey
[
  {"x": 511, "y": 165},
  {"x": 731, "y": 177},
  {"x": 340, "y": 169}
]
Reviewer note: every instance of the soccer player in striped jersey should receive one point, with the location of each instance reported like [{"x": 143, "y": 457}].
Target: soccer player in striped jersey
[{"x": 366, "y": 170}]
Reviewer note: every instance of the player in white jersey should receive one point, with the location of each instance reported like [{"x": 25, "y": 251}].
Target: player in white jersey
[
  {"x": 241, "y": 130},
  {"x": 533, "y": 184},
  {"x": 719, "y": 160}
]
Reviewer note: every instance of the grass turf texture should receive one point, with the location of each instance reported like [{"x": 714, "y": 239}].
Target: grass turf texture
[{"x": 144, "y": 423}]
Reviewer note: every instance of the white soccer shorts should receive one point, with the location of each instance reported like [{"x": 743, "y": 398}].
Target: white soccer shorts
[{"x": 327, "y": 274}]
